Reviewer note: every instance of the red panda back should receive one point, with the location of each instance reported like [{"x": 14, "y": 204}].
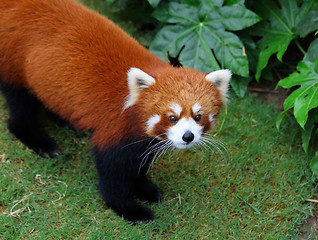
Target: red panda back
[{"x": 74, "y": 60}]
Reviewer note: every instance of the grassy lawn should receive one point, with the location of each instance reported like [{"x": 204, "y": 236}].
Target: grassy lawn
[{"x": 256, "y": 189}]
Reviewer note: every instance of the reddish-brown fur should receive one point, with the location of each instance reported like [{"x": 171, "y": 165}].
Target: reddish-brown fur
[{"x": 76, "y": 61}]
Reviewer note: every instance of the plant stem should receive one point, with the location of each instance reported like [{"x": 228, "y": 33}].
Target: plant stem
[
  {"x": 221, "y": 127},
  {"x": 300, "y": 47}
]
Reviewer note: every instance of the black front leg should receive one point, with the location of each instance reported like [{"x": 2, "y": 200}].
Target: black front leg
[
  {"x": 23, "y": 120},
  {"x": 122, "y": 175},
  {"x": 146, "y": 190}
]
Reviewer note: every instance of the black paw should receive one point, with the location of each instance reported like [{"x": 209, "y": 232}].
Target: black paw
[
  {"x": 135, "y": 213},
  {"x": 148, "y": 191},
  {"x": 43, "y": 145},
  {"x": 48, "y": 151},
  {"x": 36, "y": 140}
]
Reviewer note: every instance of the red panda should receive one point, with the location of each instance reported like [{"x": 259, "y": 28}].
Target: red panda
[{"x": 82, "y": 67}]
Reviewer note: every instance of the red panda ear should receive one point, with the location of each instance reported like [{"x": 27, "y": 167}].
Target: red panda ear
[
  {"x": 137, "y": 81},
  {"x": 221, "y": 80}
]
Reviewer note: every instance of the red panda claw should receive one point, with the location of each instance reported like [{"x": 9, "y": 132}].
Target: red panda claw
[
  {"x": 49, "y": 154},
  {"x": 44, "y": 155}
]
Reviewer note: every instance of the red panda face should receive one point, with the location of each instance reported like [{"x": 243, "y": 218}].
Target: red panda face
[
  {"x": 177, "y": 106},
  {"x": 183, "y": 129},
  {"x": 182, "y": 125}
]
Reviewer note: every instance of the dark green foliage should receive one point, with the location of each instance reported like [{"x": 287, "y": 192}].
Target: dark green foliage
[
  {"x": 282, "y": 24},
  {"x": 304, "y": 98},
  {"x": 312, "y": 52},
  {"x": 192, "y": 31}
]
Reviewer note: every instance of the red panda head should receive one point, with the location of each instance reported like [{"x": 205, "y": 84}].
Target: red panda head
[{"x": 177, "y": 105}]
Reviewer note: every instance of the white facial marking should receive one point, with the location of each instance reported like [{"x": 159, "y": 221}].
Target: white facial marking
[
  {"x": 176, "y": 132},
  {"x": 211, "y": 117},
  {"x": 196, "y": 108},
  {"x": 152, "y": 121},
  {"x": 176, "y": 108}
]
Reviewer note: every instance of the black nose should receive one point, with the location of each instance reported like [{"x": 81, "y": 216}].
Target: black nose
[{"x": 188, "y": 137}]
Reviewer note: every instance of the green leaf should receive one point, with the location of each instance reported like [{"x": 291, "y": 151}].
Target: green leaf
[
  {"x": 173, "y": 12},
  {"x": 306, "y": 73},
  {"x": 314, "y": 165},
  {"x": 301, "y": 111},
  {"x": 305, "y": 97},
  {"x": 280, "y": 119},
  {"x": 202, "y": 34},
  {"x": 307, "y": 20},
  {"x": 231, "y": 18},
  {"x": 250, "y": 50},
  {"x": 154, "y": 3},
  {"x": 233, "y": 2},
  {"x": 191, "y": 2},
  {"x": 307, "y": 131},
  {"x": 281, "y": 25},
  {"x": 165, "y": 39},
  {"x": 228, "y": 49},
  {"x": 270, "y": 45},
  {"x": 305, "y": 137},
  {"x": 239, "y": 85},
  {"x": 198, "y": 2},
  {"x": 312, "y": 52},
  {"x": 290, "y": 100}
]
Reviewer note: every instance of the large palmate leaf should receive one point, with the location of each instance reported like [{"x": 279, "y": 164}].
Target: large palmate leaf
[
  {"x": 191, "y": 32},
  {"x": 282, "y": 24},
  {"x": 304, "y": 98},
  {"x": 312, "y": 52}
]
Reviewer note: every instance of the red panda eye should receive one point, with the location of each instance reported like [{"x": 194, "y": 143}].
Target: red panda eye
[
  {"x": 173, "y": 119},
  {"x": 198, "y": 117}
]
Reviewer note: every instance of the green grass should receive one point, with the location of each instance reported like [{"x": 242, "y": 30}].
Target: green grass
[{"x": 257, "y": 191}]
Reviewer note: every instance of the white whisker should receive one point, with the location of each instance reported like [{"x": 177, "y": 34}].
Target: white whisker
[
  {"x": 158, "y": 149},
  {"x": 164, "y": 148},
  {"x": 132, "y": 143},
  {"x": 210, "y": 142}
]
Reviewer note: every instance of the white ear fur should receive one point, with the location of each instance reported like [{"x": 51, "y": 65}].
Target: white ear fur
[
  {"x": 221, "y": 80},
  {"x": 137, "y": 81}
]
